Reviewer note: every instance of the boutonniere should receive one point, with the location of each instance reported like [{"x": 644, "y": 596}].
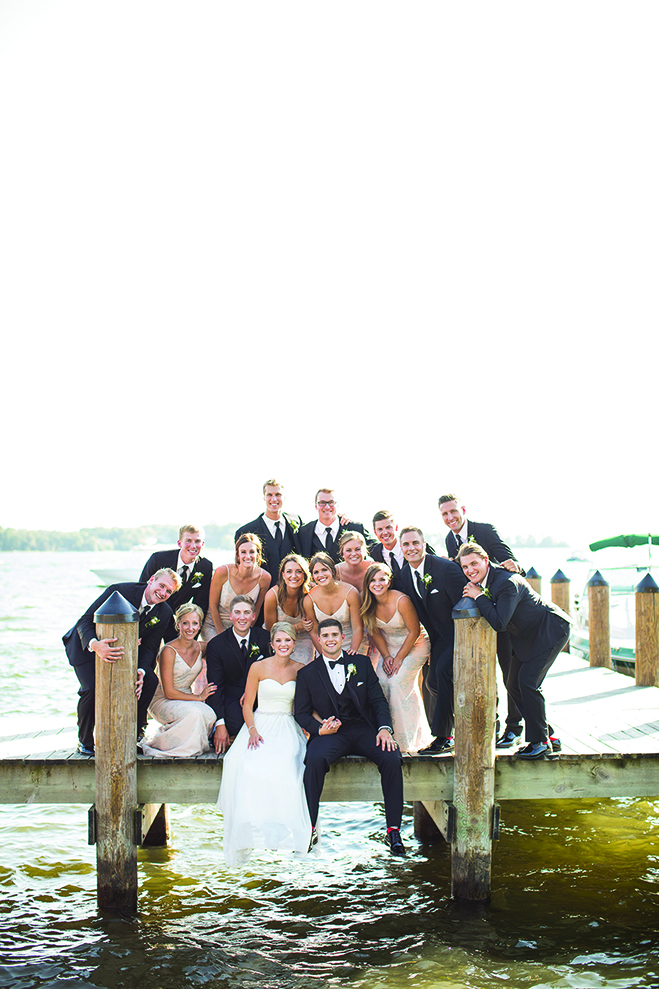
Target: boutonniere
[
  {"x": 427, "y": 579},
  {"x": 351, "y": 671},
  {"x": 254, "y": 651},
  {"x": 197, "y": 575},
  {"x": 154, "y": 621},
  {"x": 293, "y": 524},
  {"x": 487, "y": 592}
]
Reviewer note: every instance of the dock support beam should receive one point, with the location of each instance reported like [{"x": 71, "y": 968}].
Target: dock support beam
[
  {"x": 647, "y": 633},
  {"x": 560, "y": 595},
  {"x": 116, "y": 760},
  {"x": 474, "y": 678}
]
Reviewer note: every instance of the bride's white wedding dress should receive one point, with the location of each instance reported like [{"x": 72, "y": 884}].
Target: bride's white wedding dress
[{"x": 262, "y": 797}]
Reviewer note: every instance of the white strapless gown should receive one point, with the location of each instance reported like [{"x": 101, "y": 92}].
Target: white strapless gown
[{"x": 262, "y": 797}]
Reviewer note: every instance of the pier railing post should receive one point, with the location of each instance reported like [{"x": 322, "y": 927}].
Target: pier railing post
[
  {"x": 560, "y": 595},
  {"x": 116, "y": 757},
  {"x": 647, "y": 632},
  {"x": 474, "y": 678},
  {"x": 599, "y": 630},
  {"x": 534, "y": 579}
]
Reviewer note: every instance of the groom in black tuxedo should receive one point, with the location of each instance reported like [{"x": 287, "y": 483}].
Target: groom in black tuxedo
[
  {"x": 195, "y": 571},
  {"x": 229, "y": 656},
  {"x": 434, "y": 586},
  {"x": 344, "y": 692},
  {"x": 82, "y": 647}
]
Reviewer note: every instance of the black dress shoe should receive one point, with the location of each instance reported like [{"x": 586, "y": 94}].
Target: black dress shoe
[
  {"x": 439, "y": 744},
  {"x": 508, "y": 739},
  {"x": 534, "y": 750},
  {"x": 555, "y": 742},
  {"x": 84, "y": 749},
  {"x": 395, "y": 842}
]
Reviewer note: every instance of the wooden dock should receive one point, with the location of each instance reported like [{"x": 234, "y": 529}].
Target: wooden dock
[{"x": 609, "y": 728}]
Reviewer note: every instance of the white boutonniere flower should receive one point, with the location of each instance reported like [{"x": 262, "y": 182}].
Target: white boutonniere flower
[
  {"x": 197, "y": 575},
  {"x": 293, "y": 524},
  {"x": 427, "y": 579},
  {"x": 154, "y": 621},
  {"x": 351, "y": 671},
  {"x": 254, "y": 651}
]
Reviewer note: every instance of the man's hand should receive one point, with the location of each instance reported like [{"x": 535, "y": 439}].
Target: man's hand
[
  {"x": 511, "y": 565},
  {"x": 221, "y": 738},
  {"x": 330, "y": 726},
  {"x": 472, "y": 590},
  {"x": 106, "y": 651},
  {"x": 139, "y": 683},
  {"x": 385, "y": 740}
]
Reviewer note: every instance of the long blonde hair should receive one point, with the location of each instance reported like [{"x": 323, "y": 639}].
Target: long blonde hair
[{"x": 369, "y": 600}]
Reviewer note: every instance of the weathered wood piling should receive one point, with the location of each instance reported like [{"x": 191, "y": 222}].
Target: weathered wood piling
[
  {"x": 647, "y": 632},
  {"x": 599, "y": 628},
  {"x": 560, "y": 595}
]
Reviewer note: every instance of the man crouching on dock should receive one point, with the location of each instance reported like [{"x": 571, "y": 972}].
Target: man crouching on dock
[{"x": 82, "y": 647}]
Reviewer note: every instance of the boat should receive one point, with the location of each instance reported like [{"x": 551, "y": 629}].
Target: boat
[
  {"x": 108, "y": 577},
  {"x": 622, "y": 581}
]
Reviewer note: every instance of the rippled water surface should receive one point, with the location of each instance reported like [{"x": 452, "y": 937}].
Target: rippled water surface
[{"x": 575, "y": 884}]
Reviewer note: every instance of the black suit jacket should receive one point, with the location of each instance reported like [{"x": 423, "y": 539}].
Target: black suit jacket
[
  {"x": 442, "y": 591},
  {"x": 273, "y": 554},
  {"x": 314, "y": 691},
  {"x": 486, "y": 536},
  {"x": 195, "y": 589},
  {"x": 152, "y": 627},
  {"x": 309, "y": 544},
  {"x": 535, "y": 626},
  {"x": 226, "y": 668}
]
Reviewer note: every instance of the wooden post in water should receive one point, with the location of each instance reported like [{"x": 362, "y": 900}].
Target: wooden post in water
[
  {"x": 474, "y": 679},
  {"x": 116, "y": 758},
  {"x": 560, "y": 595},
  {"x": 534, "y": 579},
  {"x": 647, "y": 632},
  {"x": 599, "y": 631}
]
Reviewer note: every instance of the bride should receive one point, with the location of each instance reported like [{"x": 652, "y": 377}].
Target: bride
[{"x": 262, "y": 797}]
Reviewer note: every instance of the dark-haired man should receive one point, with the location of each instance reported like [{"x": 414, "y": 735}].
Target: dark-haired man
[
  {"x": 195, "y": 571},
  {"x": 275, "y": 528},
  {"x": 354, "y": 720},
  {"x": 322, "y": 535},
  {"x": 434, "y": 586},
  {"x": 387, "y": 550}
]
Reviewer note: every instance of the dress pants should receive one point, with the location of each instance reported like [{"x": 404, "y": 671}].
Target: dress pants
[
  {"x": 505, "y": 655},
  {"x": 353, "y": 738},
  {"x": 86, "y": 673},
  {"x": 524, "y": 683},
  {"x": 439, "y": 682}
]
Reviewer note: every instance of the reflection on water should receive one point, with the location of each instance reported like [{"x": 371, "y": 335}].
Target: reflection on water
[
  {"x": 576, "y": 890},
  {"x": 575, "y": 884}
]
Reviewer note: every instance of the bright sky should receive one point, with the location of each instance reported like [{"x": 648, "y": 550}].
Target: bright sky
[{"x": 394, "y": 248}]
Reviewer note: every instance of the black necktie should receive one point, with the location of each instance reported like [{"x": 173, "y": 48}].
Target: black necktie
[
  {"x": 184, "y": 574},
  {"x": 328, "y": 540},
  {"x": 393, "y": 565},
  {"x": 243, "y": 648},
  {"x": 420, "y": 586},
  {"x": 278, "y": 535}
]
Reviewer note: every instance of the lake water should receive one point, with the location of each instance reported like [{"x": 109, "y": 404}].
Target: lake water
[{"x": 575, "y": 884}]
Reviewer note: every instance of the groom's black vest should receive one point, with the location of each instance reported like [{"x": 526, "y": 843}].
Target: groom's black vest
[{"x": 345, "y": 707}]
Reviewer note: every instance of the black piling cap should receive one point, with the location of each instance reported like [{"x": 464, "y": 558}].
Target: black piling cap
[
  {"x": 466, "y": 608},
  {"x": 116, "y": 611},
  {"x": 597, "y": 580},
  {"x": 533, "y": 574},
  {"x": 648, "y": 585},
  {"x": 559, "y": 578}
]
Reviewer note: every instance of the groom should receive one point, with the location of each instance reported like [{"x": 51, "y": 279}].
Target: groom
[{"x": 345, "y": 692}]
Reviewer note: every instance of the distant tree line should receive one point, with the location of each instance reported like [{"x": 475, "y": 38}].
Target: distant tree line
[{"x": 217, "y": 536}]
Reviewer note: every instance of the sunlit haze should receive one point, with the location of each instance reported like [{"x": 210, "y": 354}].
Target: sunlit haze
[{"x": 395, "y": 249}]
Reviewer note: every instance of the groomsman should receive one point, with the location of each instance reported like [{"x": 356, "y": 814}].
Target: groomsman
[
  {"x": 82, "y": 647},
  {"x": 195, "y": 571},
  {"x": 434, "y": 586},
  {"x": 322, "y": 536},
  {"x": 229, "y": 656},
  {"x": 388, "y": 548},
  {"x": 345, "y": 694},
  {"x": 462, "y": 529},
  {"x": 275, "y": 528}
]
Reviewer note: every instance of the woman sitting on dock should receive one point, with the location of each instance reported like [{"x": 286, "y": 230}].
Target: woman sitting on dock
[
  {"x": 332, "y": 598},
  {"x": 290, "y": 602},
  {"x": 356, "y": 561},
  {"x": 245, "y": 576},
  {"x": 186, "y": 721},
  {"x": 538, "y": 630},
  {"x": 403, "y": 648}
]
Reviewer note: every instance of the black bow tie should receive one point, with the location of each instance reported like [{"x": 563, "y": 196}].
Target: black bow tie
[{"x": 332, "y": 663}]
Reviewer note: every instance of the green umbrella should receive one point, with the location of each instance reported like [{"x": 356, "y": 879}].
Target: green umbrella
[{"x": 631, "y": 540}]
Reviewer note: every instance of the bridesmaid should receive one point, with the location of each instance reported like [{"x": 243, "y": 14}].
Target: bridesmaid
[
  {"x": 290, "y": 602},
  {"x": 392, "y": 623},
  {"x": 186, "y": 720},
  {"x": 356, "y": 561},
  {"x": 332, "y": 598},
  {"x": 245, "y": 576}
]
